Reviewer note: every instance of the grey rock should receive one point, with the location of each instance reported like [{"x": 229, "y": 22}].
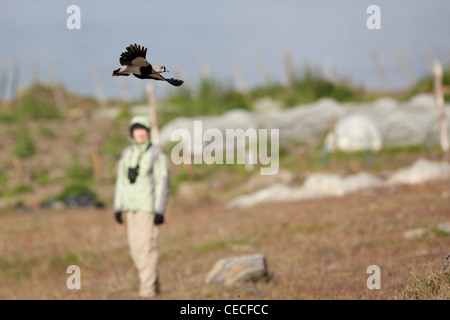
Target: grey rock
[
  {"x": 233, "y": 270},
  {"x": 415, "y": 233},
  {"x": 443, "y": 227}
]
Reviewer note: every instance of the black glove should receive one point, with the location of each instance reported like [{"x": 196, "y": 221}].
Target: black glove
[
  {"x": 118, "y": 216},
  {"x": 159, "y": 219}
]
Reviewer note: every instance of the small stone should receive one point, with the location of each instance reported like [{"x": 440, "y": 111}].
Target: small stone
[
  {"x": 415, "y": 233},
  {"x": 443, "y": 227},
  {"x": 232, "y": 270}
]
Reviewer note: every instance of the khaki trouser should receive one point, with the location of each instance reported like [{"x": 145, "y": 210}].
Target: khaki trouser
[{"x": 143, "y": 237}]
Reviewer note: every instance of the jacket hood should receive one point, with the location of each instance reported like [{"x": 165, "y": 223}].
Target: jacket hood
[{"x": 142, "y": 120}]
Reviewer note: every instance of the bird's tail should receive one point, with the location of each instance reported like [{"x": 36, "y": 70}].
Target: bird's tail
[{"x": 117, "y": 73}]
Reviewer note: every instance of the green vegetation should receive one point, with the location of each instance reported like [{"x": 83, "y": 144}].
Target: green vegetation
[
  {"x": 176, "y": 179},
  {"x": 77, "y": 172},
  {"x": 73, "y": 190},
  {"x": 78, "y": 137},
  {"x": 435, "y": 285},
  {"x": 45, "y": 131},
  {"x": 20, "y": 189},
  {"x": 215, "y": 97},
  {"x": 3, "y": 179},
  {"x": 212, "y": 98},
  {"x": 24, "y": 146},
  {"x": 41, "y": 178},
  {"x": 426, "y": 84},
  {"x": 312, "y": 247},
  {"x": 78, "y": 180},
  {"x": 320, "y": 239},
  {"x": 33, "y": 105},
  {"x": 116, "y": 141},
  {"x": 65, "y": 259},
  {"x": 309, "y": 87},
  {"x": 33, "y": 117},
  {"x": 38, "y": 101}
]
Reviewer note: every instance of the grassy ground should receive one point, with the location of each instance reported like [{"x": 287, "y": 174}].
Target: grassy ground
[{"x": 316, "y": 249}]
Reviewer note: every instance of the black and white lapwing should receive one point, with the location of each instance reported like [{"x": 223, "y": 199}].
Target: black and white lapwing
[{"x": 134, "y": 62}]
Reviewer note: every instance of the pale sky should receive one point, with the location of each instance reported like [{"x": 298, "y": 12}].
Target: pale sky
[{"x": 183, "y": 34}]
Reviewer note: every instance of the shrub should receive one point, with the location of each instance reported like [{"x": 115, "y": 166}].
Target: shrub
[
  {"x": 426, "y": 84},
  {"x": 115, "y": 143},
  {"x": 78, "y": 173},
  {"x": 31, "y": 106},
  {"x": 433, "y": 282},
  {"x": 24, "y": 146},
  {"x": 78, "y": 137},
  {"x": 20, "y": 189},
  {"x": 74, "y": 190},
  {"x": 45, "y": 131}
]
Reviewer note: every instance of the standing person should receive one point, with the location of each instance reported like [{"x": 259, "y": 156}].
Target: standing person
[{"x": 141, "y": 192}]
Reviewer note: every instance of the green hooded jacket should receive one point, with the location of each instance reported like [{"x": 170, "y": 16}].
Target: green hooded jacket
[{"x": 150, "y": 190}]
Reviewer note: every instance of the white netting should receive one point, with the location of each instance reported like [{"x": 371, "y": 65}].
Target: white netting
[
  {"x": 320, "y": 185},
  {"x": 354, "y": 132},
  {"x": 421, "y": 171},
  {"x": 384, "y": 122}
]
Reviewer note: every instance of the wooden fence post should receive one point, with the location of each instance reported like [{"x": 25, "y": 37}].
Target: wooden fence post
[
  {"x": 328, "y": 71},
  {"x": 405, "y": 69},
  {"x": 240, "y": 79},
  {"x": 152, "y": 114},
  {"x": 15, "y": 85},
  {"x": 4, "y": 81},
  {"x": 187, "y": 81},
  {"x": 288, "y": 70},
  {"x": 126, "y": 96},
  {"x": 18, "y": 169},
  {"x": 154, "y": 132},
  {"x": 333, "y": 122},
  {"x": 263, "y": 71},
  {"x": 439, "y": 95},
  {"x": 380, "y": 71},
  {"x": 428, "y": 60},
  {"x": 58, "y": 92},
  {"x": 99, "y": 93},
  {"x": 205, "y": 70},
  {"x": 97, "y": 166}
]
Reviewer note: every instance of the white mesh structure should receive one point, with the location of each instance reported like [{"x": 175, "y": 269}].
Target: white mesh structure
[
  {"x": 319, "y": 185},
  {"x": 421, "y": 171},
  {"x": 384, "y": 122},
  {"x": 354, "y": 132},
  {"x": 303, "y": 123}
]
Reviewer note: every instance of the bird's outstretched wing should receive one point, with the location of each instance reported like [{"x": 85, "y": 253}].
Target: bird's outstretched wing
[
  {"x": 157, "y": 76},
  {"x": 135, "y": 55}
]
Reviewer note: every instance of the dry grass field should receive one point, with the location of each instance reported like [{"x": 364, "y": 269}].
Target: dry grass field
[{"x": 316, "y": 249}]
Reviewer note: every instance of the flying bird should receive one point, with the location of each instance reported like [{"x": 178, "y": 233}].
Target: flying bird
[{"x": 134, "y": 62}]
